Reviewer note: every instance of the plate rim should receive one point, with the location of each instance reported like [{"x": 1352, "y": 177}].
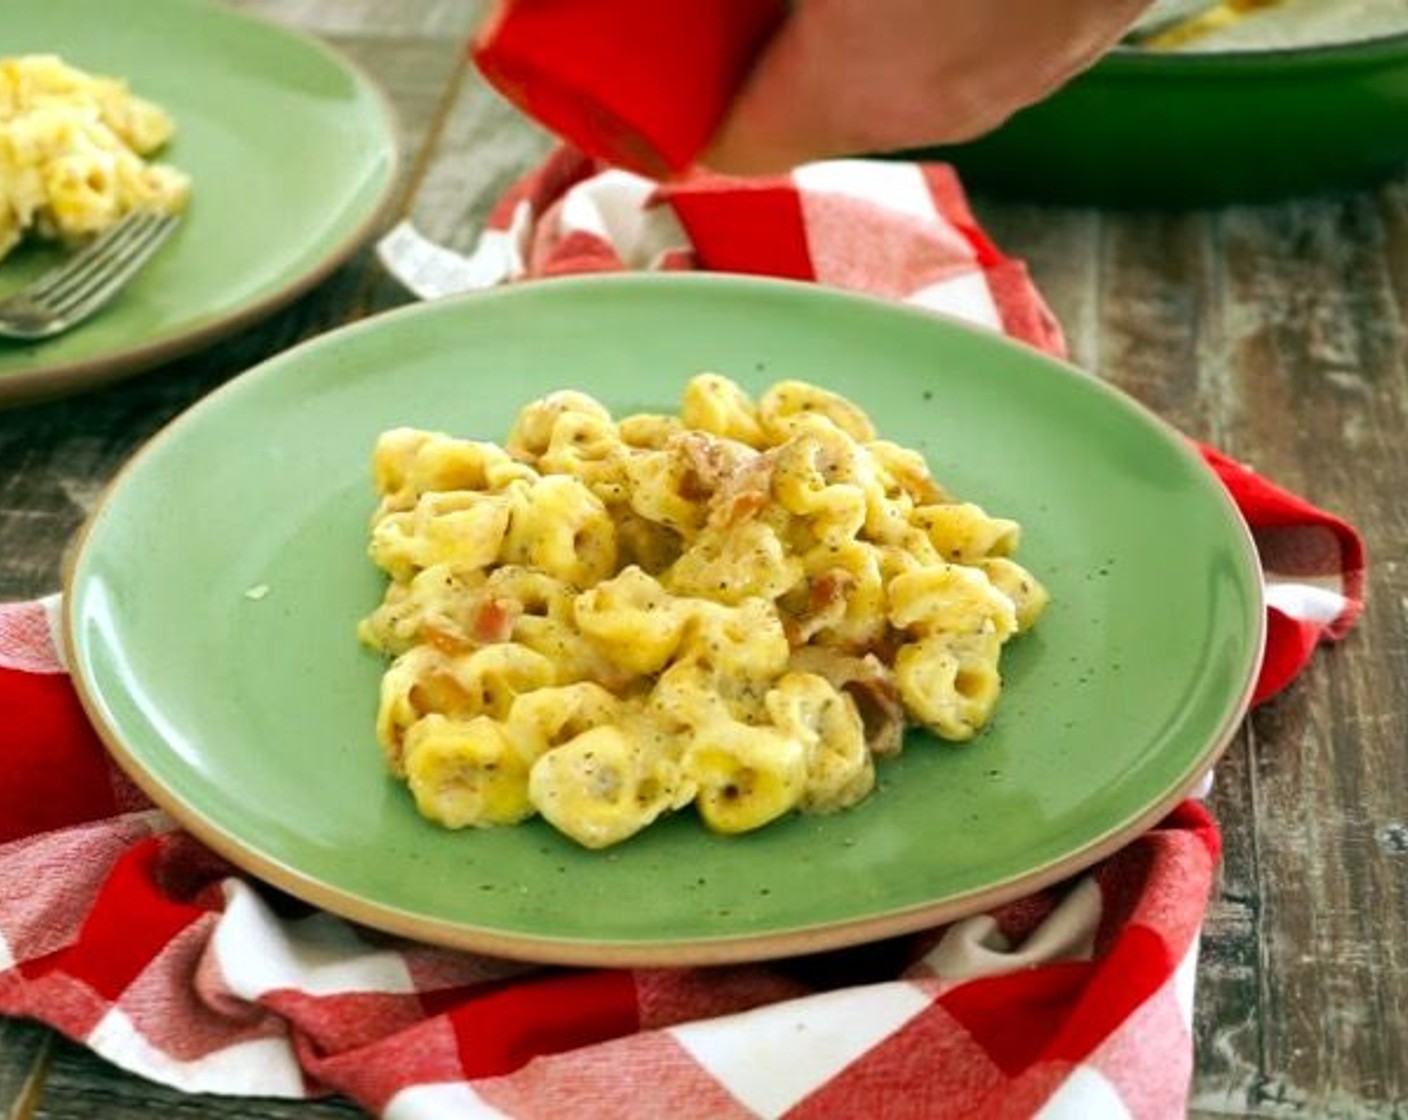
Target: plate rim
[
  {"x": 44, "y": 383},
  {"x": 702, "y": 951}
]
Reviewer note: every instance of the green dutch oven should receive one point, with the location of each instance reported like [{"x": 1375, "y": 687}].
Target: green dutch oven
[{"x": 1151, "y": 128}]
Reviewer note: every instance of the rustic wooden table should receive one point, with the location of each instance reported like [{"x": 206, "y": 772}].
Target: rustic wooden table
[{"x": 1279, "y": 333}]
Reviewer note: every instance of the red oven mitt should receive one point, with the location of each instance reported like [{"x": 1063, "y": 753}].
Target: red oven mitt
[{"x": 635, "y": 81}]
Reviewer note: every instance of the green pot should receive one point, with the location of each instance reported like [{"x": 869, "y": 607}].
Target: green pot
[{"x": 1145, "y": 128}]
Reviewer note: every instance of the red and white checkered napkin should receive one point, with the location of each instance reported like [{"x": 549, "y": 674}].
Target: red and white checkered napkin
[{"x": 125, "y": 934}]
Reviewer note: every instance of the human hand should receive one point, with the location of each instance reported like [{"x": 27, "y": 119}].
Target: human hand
[{"x": 848, "y": 77}]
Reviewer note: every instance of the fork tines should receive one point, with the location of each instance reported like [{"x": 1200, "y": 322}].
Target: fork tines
[{"x": 83, "y": 283}]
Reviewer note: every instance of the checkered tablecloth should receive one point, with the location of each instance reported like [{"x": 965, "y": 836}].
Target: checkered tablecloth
[{"x": 124, "y": 933}]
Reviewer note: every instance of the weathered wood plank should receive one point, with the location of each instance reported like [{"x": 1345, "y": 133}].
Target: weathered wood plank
[
  {"x": 445, "y": 20},
  {"x": 1278, "y": 334},
  {"x": 24, "y": 1051},
  {"x": 80, "y": 1085},
  {"x": 1296, "y": 363},
  {"x": 484, "y": 146},
  {"x": 1324, "y": 401}
]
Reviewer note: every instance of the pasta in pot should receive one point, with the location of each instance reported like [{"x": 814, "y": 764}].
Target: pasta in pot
[
  {"x": 739, "y": 608},
  {"x": 74, "y": 153}
]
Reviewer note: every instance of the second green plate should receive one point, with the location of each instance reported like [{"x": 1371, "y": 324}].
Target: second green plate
[{"x": 291, "y": 150}]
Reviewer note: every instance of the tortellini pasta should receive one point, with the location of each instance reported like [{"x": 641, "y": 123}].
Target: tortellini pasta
[
  {"x": 739, "y": 608},
  {"x": 74, "y": 152}
]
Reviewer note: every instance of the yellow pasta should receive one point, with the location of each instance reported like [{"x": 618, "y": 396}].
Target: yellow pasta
[
  {"x": 605, "y": 785},
  {"x": 809, "y": 709},
  {"x": 745, "y": 776},
  {"x": 466, "y": 771},
  {"x": 635, "y": 619},
  {"x": 75, "y": 152},
  {"x": 739, "y": 608}
]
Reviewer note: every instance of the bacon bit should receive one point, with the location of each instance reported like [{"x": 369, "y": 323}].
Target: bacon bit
[
  {"x": 885, "y": 647},
  {"x": 881, "y": 714},
  {"x": 829, "y": 588},
  {"x": 493, "y": 620},
  {"x": 692, "y": 488},
  {"x": 743, "y": 495},
  {"x": 713, "y": 459},
  {"x": 741, "y": 507},
  {"x": 870, "y": 685},
  {"x": 721, "y": 471},
  {"x": 825, "y": 606}
]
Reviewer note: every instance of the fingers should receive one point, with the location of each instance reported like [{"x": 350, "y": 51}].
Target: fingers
[{"x": 850, "y": 77}]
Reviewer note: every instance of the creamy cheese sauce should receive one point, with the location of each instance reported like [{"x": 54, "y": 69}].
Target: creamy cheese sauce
[{"x": 1289, "y": 24}]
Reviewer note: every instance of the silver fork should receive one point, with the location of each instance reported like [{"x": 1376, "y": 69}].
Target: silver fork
[{"x": 72, "y": 291}]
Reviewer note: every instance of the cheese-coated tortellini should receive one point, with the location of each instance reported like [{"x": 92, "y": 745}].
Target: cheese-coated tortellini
[
  {"x": 788, "y": 405},
  {"x": 634, "y": 619},
  {"x": 604, "y": 786},
  {"x": 714, "y": 404},
  {"x": 402, "y": 687},
  {"x": 1029, "y": 597},
  {"x": 588, "y": 448},
  {"x": 427, "y": 608},
  {"x": 740, "y": 607},
  {"x": 950, "y": 682},
  {"x": 678, "y": 484},
  {"x": 392, "y": 459},
  {"x": 535, "y": 610},
  {"x": 730, "y": 565},
  {"x": 745, "y": 776},
  {"x": 840, "y": 771},
  {"x": 962, "y": 532},
  {"x": 531, "y": 434},
  {"x": 546, "y": 718},
  {"x": 492, "y": 678},
  {"x": 843, "y": 600},
  {"x": 461, "y": 464},
  {"x": 643, "y": 543},
  {"x": 745, "y": 641},
  {"x": 805, "y": 487},
  {"x": 76, "y": 153},
  {"x": 461, "y": 527},
  {"x": 559, "y": 526},
  {"x": 686, "y": 697},
  {"x": 902, "y": 470},
  {"x": 950, "y": 598},
  {"x": 407, "y": 463},
  {"x": 466, "y": 773},
  {"x": 648, "y": 431},
  {"x": 663, "y": 491}
]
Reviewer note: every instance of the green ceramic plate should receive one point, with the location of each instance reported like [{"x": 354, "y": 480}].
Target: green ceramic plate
[
  {"x": 250, "y": 719},
  {"x": 1153, "y": 128},
  {"x": 293, "y": 155}
]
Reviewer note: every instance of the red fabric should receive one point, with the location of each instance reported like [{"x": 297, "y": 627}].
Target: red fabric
[
  {"x": 608, "y": 73},
  {"x": 1298, "y": 542},
  {"x": 751, "y": 226},
  {"x": 505, "y": 1028},
  {"x": 130, "y": 937},
  {"x": 780, "y": 226},
  {"x": 55, "y": 770}
]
